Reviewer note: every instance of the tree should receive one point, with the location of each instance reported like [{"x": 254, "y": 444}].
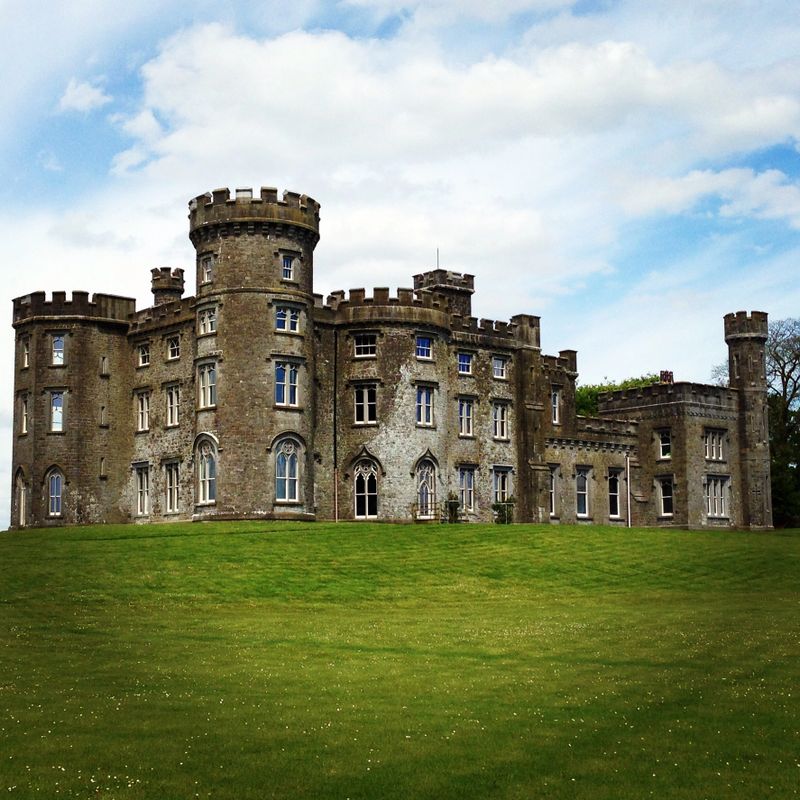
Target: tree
[{"x": 586, "y": 396}]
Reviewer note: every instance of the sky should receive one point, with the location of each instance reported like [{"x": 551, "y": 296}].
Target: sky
[{"x": 628, "y": 171}]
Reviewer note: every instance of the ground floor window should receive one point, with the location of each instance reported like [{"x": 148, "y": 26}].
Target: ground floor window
[
  {"x": 142, "y": 490},
  {"x": 501, "y": 484},
  {"x": 716, "y": 491},
  {"x": 22, "y": 502},
  {"x": 582, "y": 492},
  {"x": 286, "y": 472},
  {"x": 613, "y": 493},
  {"x": 171, "y": 475},
  {"x": 206, "y": 473},
  {"x": 426, "y": 489},
  {"x": 365, "y": 488},
  {"x": 552, "y": 490},
  {"x": 665, "y": 494},
  {"x": 466, "y": 488},
  {"x": 55, "y": 488}
]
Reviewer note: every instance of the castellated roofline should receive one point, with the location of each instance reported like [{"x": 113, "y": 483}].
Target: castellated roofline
[
  {"x": 752, "y": 325},
  {"x": 101, "y": 306},
  {"x": 218, "y": 207}
]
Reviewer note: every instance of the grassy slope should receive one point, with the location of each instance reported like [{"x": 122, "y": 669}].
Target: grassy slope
[{"x": 253, "y": 660}]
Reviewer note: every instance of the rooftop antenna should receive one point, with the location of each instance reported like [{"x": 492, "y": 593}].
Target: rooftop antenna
[{"x": 437, "y": 258}]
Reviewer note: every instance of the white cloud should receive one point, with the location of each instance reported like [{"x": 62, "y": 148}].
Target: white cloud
[{"x": 82, "y": 96}]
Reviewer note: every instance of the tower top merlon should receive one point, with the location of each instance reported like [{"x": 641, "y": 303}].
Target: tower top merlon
[
  {"x": 444, "y": 280},
  {"x": 167, "y": 284},
  {"x": 746, "y": 325},
  {"x": 219, "y": 208}
]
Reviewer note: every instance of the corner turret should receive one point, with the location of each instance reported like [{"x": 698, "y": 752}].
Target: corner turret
[
  {"x": 167, "y": 285},
  {"x": 453, "y": 288}
]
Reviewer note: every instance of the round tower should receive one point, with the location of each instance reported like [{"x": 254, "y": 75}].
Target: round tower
[
  {"x": 255, "y": 366},
  {"x": 746, "y": 337}
]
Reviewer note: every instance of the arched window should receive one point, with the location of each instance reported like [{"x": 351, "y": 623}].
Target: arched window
[
  {"x": 426, "y": 489},
  {"x": 206, "y": 472},
  {"x": 55, "y": 493},
  {"x": 365, "y": 489},
  {"x": 286, "y": 472},
  {"x": 22, "y": 501}
]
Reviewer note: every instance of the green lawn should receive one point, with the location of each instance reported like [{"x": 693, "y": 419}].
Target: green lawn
[{"x": 257, "y": 660}]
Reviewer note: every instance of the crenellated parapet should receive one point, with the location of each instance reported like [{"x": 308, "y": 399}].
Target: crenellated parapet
[
  {"x": 565, "y": 361},
  {"x": 744, "y": 325},
  {"x": 663, "y": 394},
  {"x": 158, "y": 316},
  {"x": 218, "y": 214},
  {"x": 105, "y": 307}
]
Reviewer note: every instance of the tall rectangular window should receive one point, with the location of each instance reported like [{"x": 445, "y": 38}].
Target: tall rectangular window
[
  {"x": 555, "y": 405},
  {"x": 664, "y": 443},
  {"x": 466, "y": 408},
  {"x": 286, "y": 373},
  {"x": 366, "y": 345},
  {"x": 715, "y": 491},
  {"x": 287, "y": 318},
  {"x": 206, "y": 269},
  {"x": 501, "y": 484},
  {"x": 56, "y": 411},
  {"x": 172, "y": 481},
  {"x": 288, "y": 267},
  {"x": 613, "y": 493},
  {"x": 142, "y": 491},
  {"x": 26, "y": 353},
  {"x": 144, "y": 355},
  {"x": 143, "y": 411},
  {"x": 207, "y": 321},
  {"x": 55, "y": 489},
  {"x": 207, "y": 374},
  {"x": 173, "y": 348},
  {"x": 425, "y": 405},
  {"x": 57, "y": 351},
  {"x": 713, "y": 445},
  {"x": 366, "y": 404},
  {"x": 173, "y": 405},
  {"x": 500, "y": 367},
  {"x": 552, "y": 490},
  {"x": 465, "y": 363},
  {"x": 23, "y": 414},
  {"x": 665, "y": 491},
  {"x": 424, "y": 347},
  {"x": 466, "y": 488},
  {"x": 500, "y": 420},
  {"x": 582, "y": 492}
]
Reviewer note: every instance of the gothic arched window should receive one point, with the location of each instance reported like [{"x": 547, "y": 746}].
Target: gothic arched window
[
  {"x": 55, "y": 493},
  {"x": 206, "y": 472},
  {"x": 286, "y": 472},
  {"x": 365, "y": 489},
  {"x": 426, "y": 489}
]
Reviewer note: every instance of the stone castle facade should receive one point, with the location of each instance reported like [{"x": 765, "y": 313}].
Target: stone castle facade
[{"x": 257, "y": 398}]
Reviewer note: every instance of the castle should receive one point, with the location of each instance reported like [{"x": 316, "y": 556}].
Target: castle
[{"x": 257, "y": 398}]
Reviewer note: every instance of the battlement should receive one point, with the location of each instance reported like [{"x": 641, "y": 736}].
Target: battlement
[
  {"x": 102, "y": 306},
  {"x": 381, "y": 296},
  {"x": 218, "y": 208},
  {"x": 749, "y": 325},
  {"x": 168, "y": 312},
  {"x": 444, "y": 279},
  {"x": 665, "y": 393},
  {"x": 565, "y": 361}
]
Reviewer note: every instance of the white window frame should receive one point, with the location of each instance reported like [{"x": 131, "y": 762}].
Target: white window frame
[
  {"x": 207, "y": 385},
  {"x": 365, "y": 489},
  {"x": 287, "y": 267},
  {"x": 664, "y": 443},
  {"x": 425, "y": 418},
  {"x": 614, "y": 493},
  {"x": 58, "y": 349},
  {"x": 466, "y": 488},
  {"x": 465, "y": 362},
  {"x": 287, "y": 319},
  {"x": 500, "y": 421},
  {"x": 500, "y": 368},
  {"x": 173, "y": 398},
  {"x": 555, "y": 405},
  {"x": 715, "y": 492},
  {"x": 207, "y": 321},
  {"x": 287, "y": 390},
  {"x": 144, "y": 354},
  {"x": 423, "y": 347},
  {"x": 666, "y": 498},
  {"x": 466, "y": 416},
  {"x": 55, "y": 493},
  {"x": 287, "y": 472},
  {"x": 501, "y": 484},
  {"x": 173, "y": 348},
  {"x": 57, "y": 411},
  {"x": 713, "y": 444},
  {"x": 207, "y": 264},
  {"x": 365, "y": 345},
  {"x": 26, "y": 352},
  {"x": 142, "y": 491},
  {"x": 206, "y": 473},
  {"x": 552, "y": 491},
  {"x": 23, "y": 412},
  {"x": 426, "y": 489},
  {"x": 172, "y": 489},
  {"x": 365, "y": 396},
  {"x": 582, "y": 491},
  {"x": 142, "y": 412}
]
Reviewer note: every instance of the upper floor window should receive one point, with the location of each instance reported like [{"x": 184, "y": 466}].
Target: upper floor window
[
  {"x": 104, "y": 365},
  {"x": 465, "y": 363},
  {"x": 172, "y": 487},
  {"x": 287, "y": 318},
  {"x": 555, "y": 405},
  {"x": 55, "y": 490},
  {"x": 144, "y": 355},
  {"x": 143, "y": 411},
  {"x": 23, "y": 414},
  {"x": 57, "y": 351},
  {"x": 664, "y": 444},
  {"x": 500, "y": 367},
  {"x": 713, "y": 445},
  {"x": 665, "y": 491},
  {"x": 207, "y": 320},
  {"x": 500, "y": 420},
  {"x": 287, "y": 481},
  {"x": 56, "y": 411},
  {"x": 207, "y": 375},
  {"x": 466, "y": 488},
  {"x": 366, "y": 404},
  {"x": 582, "y": 492},
  {"x": 715, "y": 491},
  {"x": 173, "y": 405},
  {"x": 288, "y": 267},
  {"x": 466, "y": 409},
  {"x": 142, "y": 491},
  {"x": 206, "y": 473},
  {"x": 425, "y": 405},
  {"x": 366, "y": 345},
  {"x": 25, "y": 361},
  {"x": 207, "y": 268},
  {"x": 613, "y": 492},
  {"x": 173, "y": 348},
  {"x": 424, "y": 347},
  {"x": 501, "y": 484},
  {"x": 286, "y": 374}
]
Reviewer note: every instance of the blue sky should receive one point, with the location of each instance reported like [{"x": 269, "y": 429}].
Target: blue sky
[{"x": 629, "y": 171}]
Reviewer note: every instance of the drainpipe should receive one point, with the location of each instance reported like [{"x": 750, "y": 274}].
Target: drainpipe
[{"x": 335, "y": 442}]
